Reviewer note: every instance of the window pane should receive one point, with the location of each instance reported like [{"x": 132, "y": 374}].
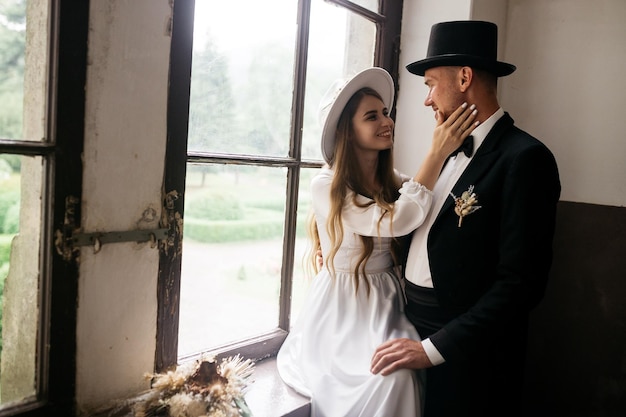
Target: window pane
[
  {"x": 15, "y": 34},
  {"x": 24, "y": 50},
  {"x": 242, "y": 76},
  {"x": 232, "y": 254},
  {"x": 20, "y": 230},
  {"x": 372, "y": 5},
  {"x": 341, "y": 44}
]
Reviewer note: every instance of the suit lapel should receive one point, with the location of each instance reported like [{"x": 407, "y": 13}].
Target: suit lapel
[{"x": 481, "y": 162}]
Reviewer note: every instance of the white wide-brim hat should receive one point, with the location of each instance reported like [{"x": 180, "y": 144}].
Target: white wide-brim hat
[{"x": 338, "y": 95}]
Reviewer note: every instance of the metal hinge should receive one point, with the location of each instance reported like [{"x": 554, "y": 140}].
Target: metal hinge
[
  {"x": 69, "y": 238},
  {"x": 97, "y": 239},
  {"x": 67, "y": 243}
]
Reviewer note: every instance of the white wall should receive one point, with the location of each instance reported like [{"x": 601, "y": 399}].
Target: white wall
[
  {"x": 125, "y": 136},
  {"x": 569, "y": 90},
  {"x": 566, "y": 91},
  {"x": 414, "y": 121}
]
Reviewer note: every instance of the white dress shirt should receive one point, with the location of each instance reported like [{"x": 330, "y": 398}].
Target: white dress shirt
[{"x": 418, "y": 267}]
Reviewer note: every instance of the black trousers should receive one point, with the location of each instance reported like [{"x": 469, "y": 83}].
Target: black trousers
[{"x": 461, "y": 388}]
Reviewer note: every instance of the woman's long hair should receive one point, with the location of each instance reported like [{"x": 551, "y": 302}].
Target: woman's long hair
[{"x": 348, "y": 177}]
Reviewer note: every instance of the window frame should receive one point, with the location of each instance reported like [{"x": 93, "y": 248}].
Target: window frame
[
  {"x": 61, "y": 149},
  {"x": 386, "y": 55}
]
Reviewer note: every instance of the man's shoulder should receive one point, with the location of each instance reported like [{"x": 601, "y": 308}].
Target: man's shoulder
[
  {"x": 522, "y": 138},
  {"x": 514, "y": 139}
]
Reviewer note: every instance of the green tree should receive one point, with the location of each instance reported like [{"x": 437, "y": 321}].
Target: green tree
[
  {"x": 211, "y": 105},
  {"x": 266, "y": 109}
]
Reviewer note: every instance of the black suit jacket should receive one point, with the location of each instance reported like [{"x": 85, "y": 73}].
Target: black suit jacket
[{"x": 492, "y": 270}]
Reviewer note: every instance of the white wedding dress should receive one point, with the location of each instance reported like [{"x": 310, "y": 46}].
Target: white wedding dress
[{"x": 328, "y": 352}]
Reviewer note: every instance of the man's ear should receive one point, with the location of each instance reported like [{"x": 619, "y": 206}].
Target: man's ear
[{"x": 466, "y": 75}]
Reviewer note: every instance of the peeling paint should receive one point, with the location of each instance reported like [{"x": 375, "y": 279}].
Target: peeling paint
[
  {"x": 148, "y": 216},
  {"x": 172, "y": 220},
  {"x": 63, "y": 238},
  {"x": 168, "y": 27},
  {"x": 168, "y": 23}
]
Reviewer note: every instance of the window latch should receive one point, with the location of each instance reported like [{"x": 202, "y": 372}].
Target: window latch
[
  {"x": 97, "y": 239},
  {"x": 69, "y": 237}
]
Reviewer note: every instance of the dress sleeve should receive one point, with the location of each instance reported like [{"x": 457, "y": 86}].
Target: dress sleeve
[
  {"x": 410, "y": 209},
  {"x": 402, "y": 177}
]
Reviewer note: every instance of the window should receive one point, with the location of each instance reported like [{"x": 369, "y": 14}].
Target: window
[
  {"x": 24, "y": 160},
  {"x": 41, "y": 137},
  {"x": 240, "y": 160}
]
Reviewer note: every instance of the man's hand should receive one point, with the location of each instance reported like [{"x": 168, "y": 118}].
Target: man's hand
[{"x": 399, "y": 354}]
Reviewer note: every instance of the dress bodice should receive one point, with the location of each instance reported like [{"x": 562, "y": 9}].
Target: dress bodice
[{"x": 350, "y": 250}]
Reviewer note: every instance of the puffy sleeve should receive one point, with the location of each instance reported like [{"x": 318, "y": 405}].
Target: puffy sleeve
[
  {"x": 402, "y": 177},
  {"x": 409, "y": 213}
]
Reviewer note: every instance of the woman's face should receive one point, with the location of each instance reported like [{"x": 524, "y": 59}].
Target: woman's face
[{"x": 373, "y": 128}]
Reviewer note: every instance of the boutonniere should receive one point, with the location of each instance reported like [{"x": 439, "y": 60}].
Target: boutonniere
[{"x": 465, "y": 204}]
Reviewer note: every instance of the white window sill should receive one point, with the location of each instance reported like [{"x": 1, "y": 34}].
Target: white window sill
[{"x": 268, "y": 396}]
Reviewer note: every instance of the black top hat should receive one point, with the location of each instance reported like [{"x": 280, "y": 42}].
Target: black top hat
[{"x": 468, "y": 42}]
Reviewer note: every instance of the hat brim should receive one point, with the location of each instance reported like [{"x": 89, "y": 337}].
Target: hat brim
[
  {"x": 337, "y": 97},
  {"x": 499, "y": 69}
]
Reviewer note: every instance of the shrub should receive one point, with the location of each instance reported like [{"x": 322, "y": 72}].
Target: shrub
[
  {"x": 5, "y": 249},
  {"x": 12, "y": 219},
  {"x": 4, "y": 271},
  {"x": 273, "y": 204},
  {"x": 213, "y": 206},
  {"x": 13, "y": 162},
  {"x": 220, "y": 231},
  {"x": 257, "y": 225},
  {"x": 8, "y": 199}
]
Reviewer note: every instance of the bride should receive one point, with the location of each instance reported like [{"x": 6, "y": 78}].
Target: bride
[{"x": 361, "y": 207}]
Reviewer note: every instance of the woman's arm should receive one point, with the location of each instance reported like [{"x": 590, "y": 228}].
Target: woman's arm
[
  {"x": 368, "y": 219},
  {"x": 415, "y": 199},
  {"x": 447, "y": 137}
]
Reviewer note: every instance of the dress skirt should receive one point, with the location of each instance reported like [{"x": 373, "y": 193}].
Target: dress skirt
[{"x": 328, "y": 352}]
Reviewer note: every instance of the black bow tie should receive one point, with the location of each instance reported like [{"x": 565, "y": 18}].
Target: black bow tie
[{"x": 467, "y": 147}]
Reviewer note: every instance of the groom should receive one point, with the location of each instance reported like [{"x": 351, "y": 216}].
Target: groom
[{"x": 480, "y": 262}]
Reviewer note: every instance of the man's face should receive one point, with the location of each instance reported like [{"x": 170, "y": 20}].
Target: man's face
[{"x": 444, "y": 95}]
